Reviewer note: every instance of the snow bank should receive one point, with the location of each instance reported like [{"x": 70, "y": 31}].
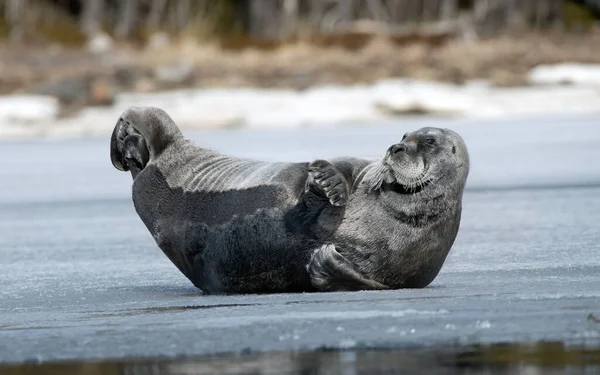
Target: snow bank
[
  {"x": 19, "y": 114},
  {"x": 568, "y": 73},
  {"x": 401, "y": 97},
  {"x": 320, "y": 106}
]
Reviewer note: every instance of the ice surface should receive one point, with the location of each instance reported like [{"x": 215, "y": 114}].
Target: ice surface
[{"x": 81, "y": 277}]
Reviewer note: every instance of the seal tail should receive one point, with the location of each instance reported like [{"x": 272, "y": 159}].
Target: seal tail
[
  {"x": 331, "y": 271},
  {"x": 141, "y": 135}
]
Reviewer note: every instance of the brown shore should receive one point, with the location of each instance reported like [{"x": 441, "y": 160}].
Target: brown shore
[{"x": 80, "y": 77}]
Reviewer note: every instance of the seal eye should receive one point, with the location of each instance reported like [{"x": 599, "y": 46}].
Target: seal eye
[
  {"x": 430, "y": 141},
  {"x": 404, "y": 136}
]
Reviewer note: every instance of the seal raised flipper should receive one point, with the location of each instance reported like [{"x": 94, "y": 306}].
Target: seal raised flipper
[
  {"x": 324, "y": 178},
  {"x": 155, "y": 127}
]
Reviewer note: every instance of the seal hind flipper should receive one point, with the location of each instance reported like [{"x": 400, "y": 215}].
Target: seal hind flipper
[
  {"x": 331, "y": 271},
  {"x": 135, "y": 154},
  {"x": 154, "y": 125}
]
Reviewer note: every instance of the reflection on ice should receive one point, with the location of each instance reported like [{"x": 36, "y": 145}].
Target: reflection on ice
[{"x": 543, "y": 357}]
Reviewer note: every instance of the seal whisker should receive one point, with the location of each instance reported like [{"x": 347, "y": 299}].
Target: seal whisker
[{"x": 412, "y": 183}]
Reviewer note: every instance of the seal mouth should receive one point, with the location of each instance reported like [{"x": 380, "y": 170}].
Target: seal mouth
[
  {"x": 389, "y": 180},
  {"x": 405, "y": 189},
  {"x": 408, "y": 186}
]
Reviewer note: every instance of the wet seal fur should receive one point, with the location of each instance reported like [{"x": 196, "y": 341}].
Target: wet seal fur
[{"x": 234, "y": 225}]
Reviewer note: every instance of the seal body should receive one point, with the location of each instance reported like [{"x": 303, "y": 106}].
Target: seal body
[{"x": 234, "y": 225}]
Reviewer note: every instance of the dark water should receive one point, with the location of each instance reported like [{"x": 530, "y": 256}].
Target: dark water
[{"x": 540, "y": 358}]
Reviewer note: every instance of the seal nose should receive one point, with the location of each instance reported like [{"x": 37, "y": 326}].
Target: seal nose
[{"x": 398, "y": 147}]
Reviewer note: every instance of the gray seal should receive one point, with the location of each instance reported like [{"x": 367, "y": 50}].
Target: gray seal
[{"x": 234, "y": 225}]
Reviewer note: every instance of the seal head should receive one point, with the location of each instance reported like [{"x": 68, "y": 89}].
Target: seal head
[{"x": 424, "y": 157}]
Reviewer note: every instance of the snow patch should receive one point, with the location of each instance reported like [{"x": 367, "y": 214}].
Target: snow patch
[
  {"x": 567, "y": 73},
  {"x": 27, "y": 109},
  {"x": 28, "y": 116}
]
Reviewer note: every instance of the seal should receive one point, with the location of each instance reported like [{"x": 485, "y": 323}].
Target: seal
[
  {"x": 234, "y": 225},
  {"x": 402, "y": 216}
]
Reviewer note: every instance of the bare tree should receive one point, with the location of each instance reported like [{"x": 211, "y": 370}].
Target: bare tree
[
  {"x": 128, "y": 18},
  {"x": 265, "y": 19},
  {"x": 282, "y": 19},
  {"x": 91, "y": 16},
  {"x": 430, "y": 10},
  {"x": 290, "y": 17},
  {"x": 14, "y": 11},
  {"x": 378, "y": 10},
  {"x": 157, "y": 7},
  {"x": 449, "y": 9},
  {"x": 338, "y": 14}
]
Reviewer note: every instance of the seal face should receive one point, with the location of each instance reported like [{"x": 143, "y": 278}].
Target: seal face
[{"x": 234, "y": 225}]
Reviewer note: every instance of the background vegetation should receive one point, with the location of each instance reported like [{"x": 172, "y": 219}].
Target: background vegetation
[
  {"x": 85, "y": 52},
  {"x": 240, "y": 22}
]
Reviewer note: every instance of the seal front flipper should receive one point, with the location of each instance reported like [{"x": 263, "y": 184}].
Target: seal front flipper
[{"x": 324, "y": 179}]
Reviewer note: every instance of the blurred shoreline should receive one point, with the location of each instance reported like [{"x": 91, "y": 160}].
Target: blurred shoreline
[{"x": 60, "y": 92}]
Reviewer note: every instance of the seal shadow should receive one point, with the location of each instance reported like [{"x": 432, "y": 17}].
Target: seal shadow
[
  {"x": 170, "y": 290},
  {"x": 164, "y": 310}
]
